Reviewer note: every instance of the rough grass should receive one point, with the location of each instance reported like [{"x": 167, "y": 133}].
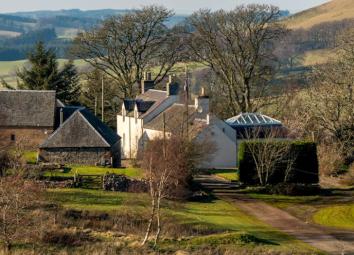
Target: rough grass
[
  {"x": 341, "y": 216},
  {"x": 228, "y": 174},
  {"x": 70, "y": 171},
  {"x": 232, "y": 225},
  {"x": 332, "y": 11},
  {"x": 317, "y": 57},
  {"x": 30, "y": 157},
  {"x": 96, "y": 200},
  {"x": 282, "y": 201}
]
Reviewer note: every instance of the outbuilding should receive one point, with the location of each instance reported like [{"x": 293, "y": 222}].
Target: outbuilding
[{"x": 81, "y": 138}]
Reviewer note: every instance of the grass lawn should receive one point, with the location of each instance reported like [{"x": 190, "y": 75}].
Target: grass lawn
[
  {"x": 94, "y": 170},
  {"x": 282, "y": 200},
  {"x": 96, "y": 200},
  {"x": 220, "y": 216},
  {"x": 228, "y": 174},
  {"x": 30, "y": 157},
  {"x": 341, "y": 216}
]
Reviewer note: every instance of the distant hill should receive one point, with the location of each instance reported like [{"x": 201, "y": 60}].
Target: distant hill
[
  {"x": 19, "y": 31},
  {"x": 335, "y": 10}
]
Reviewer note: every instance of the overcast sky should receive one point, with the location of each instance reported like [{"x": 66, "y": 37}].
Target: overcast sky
[{"x": 180, "y": 6}]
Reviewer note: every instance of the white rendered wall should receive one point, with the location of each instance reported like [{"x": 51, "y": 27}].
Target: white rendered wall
[
  {"x": 225, "y": 150},
  {"x": 130, "y": 131}
]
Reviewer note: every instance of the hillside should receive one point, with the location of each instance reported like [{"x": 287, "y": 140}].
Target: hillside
[{"x": 335, "y": 10}]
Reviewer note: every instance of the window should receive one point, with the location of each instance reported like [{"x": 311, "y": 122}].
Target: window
[{"x": 13, "y": 137}]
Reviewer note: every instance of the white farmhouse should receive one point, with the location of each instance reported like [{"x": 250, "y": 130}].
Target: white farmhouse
[
  {"x": 142, "y": 119},
  {"x": 137, "y": 112}
]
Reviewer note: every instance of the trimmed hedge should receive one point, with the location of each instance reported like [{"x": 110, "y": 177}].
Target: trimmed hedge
[{"x": 304, "y": 169}]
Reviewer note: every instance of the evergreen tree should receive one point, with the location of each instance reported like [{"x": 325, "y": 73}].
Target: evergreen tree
[
  {"x": 68, "y": 88},
  {"x": 44, "y": 74}
]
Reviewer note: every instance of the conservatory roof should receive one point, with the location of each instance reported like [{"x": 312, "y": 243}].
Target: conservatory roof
[{"x": 252, "y": 119}]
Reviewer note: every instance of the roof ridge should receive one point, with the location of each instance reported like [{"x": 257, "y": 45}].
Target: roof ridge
[
  {"x": 102, "y": 138},
  {"x": 57, "y": 130}
]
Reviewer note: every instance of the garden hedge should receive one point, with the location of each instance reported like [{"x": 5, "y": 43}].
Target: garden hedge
[{"x": 304, "y": 169}]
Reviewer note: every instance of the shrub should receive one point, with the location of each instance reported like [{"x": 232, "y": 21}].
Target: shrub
[
  {"x": 330, "y": 159},
  {"x": 349, "y": 176},
  {"x": 66, "y": 237},
  {"x": 304, "y": 168},
  {"x": 293, "y": 189}
]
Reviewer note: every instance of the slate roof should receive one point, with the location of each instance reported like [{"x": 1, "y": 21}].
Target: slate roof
[
  {"x": 152, "y": 95},
  {"x": 81, "y": 129},
  {"x": 145, "y": 102},
  {"x": 67, "y": 112},
  {"x": 27, "y": 108},
  {"x": 175, "y": 119}
]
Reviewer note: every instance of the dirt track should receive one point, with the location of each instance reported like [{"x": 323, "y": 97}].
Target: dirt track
[{"x": 277, "y": 218}]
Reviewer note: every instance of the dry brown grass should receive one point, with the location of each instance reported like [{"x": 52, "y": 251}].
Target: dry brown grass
[
  {"x": 334, "y": 10},
  {"x": 317, "y": 57}
]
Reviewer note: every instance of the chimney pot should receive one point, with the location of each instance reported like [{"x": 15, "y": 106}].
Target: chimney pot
[{"x": 61, "y": 116}]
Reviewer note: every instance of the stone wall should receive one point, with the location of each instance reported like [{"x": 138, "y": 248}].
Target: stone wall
[
  {"x": 31, "y": 137},
  {"x": 82, "y": 156}
]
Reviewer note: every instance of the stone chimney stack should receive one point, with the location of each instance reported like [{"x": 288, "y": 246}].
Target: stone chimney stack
[
  {"x": 201, "y": 103},
  {"x": 147, "y": 83}
]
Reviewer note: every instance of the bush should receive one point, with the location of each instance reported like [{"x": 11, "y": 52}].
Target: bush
[
  {"x": 331, "y": 161},
  {"x": 349, "y": 176},
  {"x": 293, "y": 189},
  {"x": 303, "y": 170},
  {"x": 67, "y": 238}
]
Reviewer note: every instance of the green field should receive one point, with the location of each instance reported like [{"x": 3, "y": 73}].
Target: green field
[
  {"x": 30, "y": 157},
  {"x": 218, "y": 216},
  {"x": 341, "y": 216},
  {"x": 227, "y": 174},
  {"x": 8, "y": 68},
  {"x": 71, "y": 170}
]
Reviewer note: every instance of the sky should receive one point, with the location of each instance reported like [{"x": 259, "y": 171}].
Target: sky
[{"x": 180, "y": 6}]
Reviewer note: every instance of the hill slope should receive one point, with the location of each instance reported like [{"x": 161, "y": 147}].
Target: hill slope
[{"x": 334, "y": 10}]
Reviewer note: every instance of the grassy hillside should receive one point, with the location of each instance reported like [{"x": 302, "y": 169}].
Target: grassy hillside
[
  {"x": 317, "y": 57},
  {"x": 334, "y": 10}
]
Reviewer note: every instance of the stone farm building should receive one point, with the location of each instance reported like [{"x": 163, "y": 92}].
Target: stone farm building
[
  {"x": 63, "y": 134},
  {"x": 26, "y": 116}
]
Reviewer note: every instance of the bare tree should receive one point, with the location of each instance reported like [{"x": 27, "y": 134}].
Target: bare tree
[
  {"x": 18, "y": 197},
  {"x": 269, "y": 151},
  {"x": 238, "y": 46},
  {"x": 169, "y": 163},
  {"x": 125, "y": 46},
  {"x": 330, "y": 98}
]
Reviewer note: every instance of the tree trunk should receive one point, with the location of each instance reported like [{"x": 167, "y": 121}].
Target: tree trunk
[
  {"x": 148, "y": 230},
  {"x": 158, "y": 231}
]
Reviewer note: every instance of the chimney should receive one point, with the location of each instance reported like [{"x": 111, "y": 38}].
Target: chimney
[
  {"x": 201, "y": 103},
  {"x": 61, "y": 116},
  {"x": 147, "y": 83}
]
